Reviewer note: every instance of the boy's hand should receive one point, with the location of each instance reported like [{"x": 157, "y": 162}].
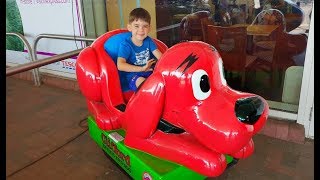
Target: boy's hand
[{"x": 147, "y": 67}]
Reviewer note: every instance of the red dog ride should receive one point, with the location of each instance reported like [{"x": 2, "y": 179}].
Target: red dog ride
[{"x": 184, "y": 112}]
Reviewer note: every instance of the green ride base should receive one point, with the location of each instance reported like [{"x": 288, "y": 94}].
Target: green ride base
[{"x": 137, "y": 164}]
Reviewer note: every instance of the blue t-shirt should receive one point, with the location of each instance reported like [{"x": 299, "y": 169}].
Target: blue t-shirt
[{"x": 136, "y": 55}]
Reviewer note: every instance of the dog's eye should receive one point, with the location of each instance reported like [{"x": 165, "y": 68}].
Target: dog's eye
[{"x": 200, "y": 84}]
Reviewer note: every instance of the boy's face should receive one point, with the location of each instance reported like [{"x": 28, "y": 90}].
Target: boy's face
[{"x": 139, "y": 29}]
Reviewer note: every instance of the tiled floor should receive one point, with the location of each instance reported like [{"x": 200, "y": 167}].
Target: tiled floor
[{"x": 46, "y": 138}]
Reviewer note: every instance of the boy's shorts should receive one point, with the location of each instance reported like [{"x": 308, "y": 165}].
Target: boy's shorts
[{"x": 132, "y": 78}]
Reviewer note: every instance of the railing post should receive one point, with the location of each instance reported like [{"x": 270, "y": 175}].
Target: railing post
[
  {"x": 53, "y": 36},
  {"x": 35, "y": 72},
  {"x": 34, "y": 65}
]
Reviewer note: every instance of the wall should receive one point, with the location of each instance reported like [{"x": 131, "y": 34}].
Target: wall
[{"x": 118, "y": 13}]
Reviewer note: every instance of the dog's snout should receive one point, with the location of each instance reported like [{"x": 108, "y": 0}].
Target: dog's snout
[{"x": 248, "y": 110}]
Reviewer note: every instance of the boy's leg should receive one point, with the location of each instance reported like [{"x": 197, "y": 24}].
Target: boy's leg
[
  {"x": 142, "y": 78},
  {"x": 135, "y": 82},
  {"x": 139, "y": 81}
]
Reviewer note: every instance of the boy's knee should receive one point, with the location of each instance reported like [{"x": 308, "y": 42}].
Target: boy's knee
[
  {"x": 139, "y": 81},
  {"x": 135, "y": 82}
]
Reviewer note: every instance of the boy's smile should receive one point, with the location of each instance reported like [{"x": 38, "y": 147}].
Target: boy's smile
[{"x": 139, "y": 30}]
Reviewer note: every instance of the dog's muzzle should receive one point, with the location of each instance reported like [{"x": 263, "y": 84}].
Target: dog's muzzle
[{"x": 248, "y": 110}]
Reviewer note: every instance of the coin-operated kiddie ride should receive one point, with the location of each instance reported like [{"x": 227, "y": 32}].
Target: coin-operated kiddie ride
[{"x": 183, "y": 122}]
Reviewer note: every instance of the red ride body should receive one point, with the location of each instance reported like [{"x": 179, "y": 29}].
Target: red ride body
[{"x": 210, "y": 123}]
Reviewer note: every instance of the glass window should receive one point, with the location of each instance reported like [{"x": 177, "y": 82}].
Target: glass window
[{"x": 262, "y": 45}]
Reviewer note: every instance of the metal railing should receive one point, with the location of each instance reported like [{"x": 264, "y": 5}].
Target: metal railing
[
  {"x": 35, "y": 63},
  {"x": 56, "y": 36},
  {"x": 42, "y": 62},
  {"x": 35, "y": 72}
]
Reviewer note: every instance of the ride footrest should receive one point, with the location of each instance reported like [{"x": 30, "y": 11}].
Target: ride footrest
[{"x": 137, "y": 164}]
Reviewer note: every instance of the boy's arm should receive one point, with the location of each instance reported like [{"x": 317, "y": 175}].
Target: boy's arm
[
  {"x": 124, "y": 66},
  {"x": 157, "y": 53}
]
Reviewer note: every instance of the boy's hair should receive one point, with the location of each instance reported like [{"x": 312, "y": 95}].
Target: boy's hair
[{"x": 139, "y": 13}]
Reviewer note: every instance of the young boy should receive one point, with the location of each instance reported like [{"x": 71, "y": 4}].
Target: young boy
[{"x": 135, "y": 53}]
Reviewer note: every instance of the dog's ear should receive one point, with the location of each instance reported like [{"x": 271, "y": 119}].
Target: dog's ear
[{"x": 145, "y": 108}]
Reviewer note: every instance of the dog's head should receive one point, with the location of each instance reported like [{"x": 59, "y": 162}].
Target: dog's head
[{"x": 197, "y": 98}]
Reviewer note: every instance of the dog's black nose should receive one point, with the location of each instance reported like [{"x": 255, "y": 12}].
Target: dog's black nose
[{"x": 248, "y": 110}]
